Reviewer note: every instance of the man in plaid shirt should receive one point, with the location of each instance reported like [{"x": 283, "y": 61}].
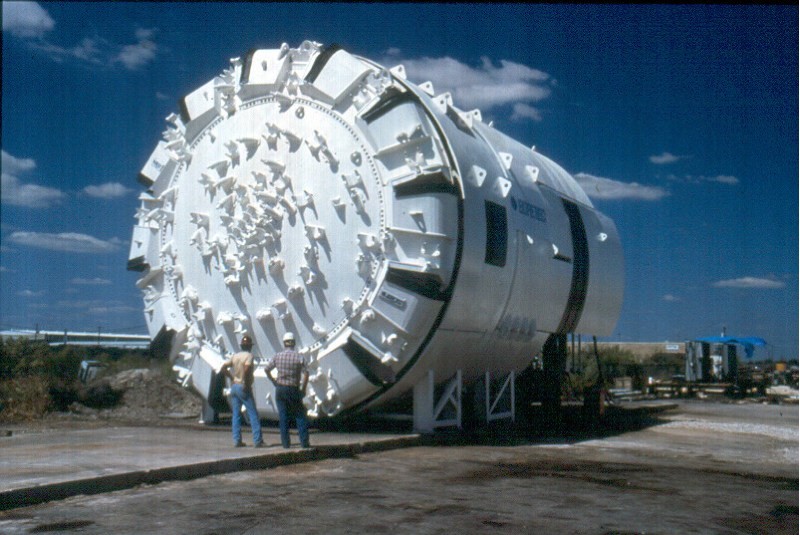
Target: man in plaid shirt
[{"x": 290, "y": 386}]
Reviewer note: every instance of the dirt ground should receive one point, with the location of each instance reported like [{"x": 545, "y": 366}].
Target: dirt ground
[{"x": 702, "y": 468}]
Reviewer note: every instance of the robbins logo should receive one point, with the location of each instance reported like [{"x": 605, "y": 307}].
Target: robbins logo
[
  {"x": 527, "y": 209},
  {"x": 393, "y": 300}
]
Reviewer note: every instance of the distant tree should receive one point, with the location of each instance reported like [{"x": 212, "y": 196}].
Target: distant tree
[
  {"x": 672, "y": 362},
  {"x": 614, "y": 362},
  {"x": 19, "y": 356}
]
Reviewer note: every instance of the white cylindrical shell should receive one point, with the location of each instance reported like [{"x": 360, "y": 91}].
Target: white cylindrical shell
[{"x": 311, "y": 191}]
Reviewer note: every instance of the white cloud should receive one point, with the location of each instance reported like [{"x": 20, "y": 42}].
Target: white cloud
[
  {"x": 105, "y": 309},
  {"x": 99, "y": 51},
  {"x": 140, "y": 53},
  {"x": 162, "y": 96},
  {"x": 26, "y": 19},
  {"x": 30, "y": 293},
  {"x": 486, "y": 86},
  {"x": 67, "y": 241},
  {"x": 89, "y": 51},
  {"x": 691, "y": 179},
  {"x": 14, "y": 191},
  {"x": 13, "y": 165},
  {"x": 666, "y": 158},
  {"x": 4, "y": 269},
  {"x": 670, "y": 298},
  {"x": 525, "y": 111},
  {"x": 95, "y": 307},
  {"x": 109, "y": 190},
  {"x": 606, "y": 188},
  {"x": 144, "y": 34},
  {"x": 722, "y": 179},
  {"x": 29, "y": 195},
  {"x": 750, "y": 282},
  {"x": 97, "y": 281}
]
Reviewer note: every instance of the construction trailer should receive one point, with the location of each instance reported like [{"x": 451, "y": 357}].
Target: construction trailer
[
  {"x": 714, "y": 366},
  {"x": 716, "y": 358}
]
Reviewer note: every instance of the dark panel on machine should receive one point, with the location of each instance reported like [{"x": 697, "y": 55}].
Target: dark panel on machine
[{"x": 580, "y": 269}]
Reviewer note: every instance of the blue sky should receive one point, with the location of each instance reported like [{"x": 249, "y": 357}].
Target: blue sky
[{"x": 681, "y": 123}]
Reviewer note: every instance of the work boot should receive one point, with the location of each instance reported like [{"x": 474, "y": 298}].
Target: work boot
[{"x": 239, "y": 444}]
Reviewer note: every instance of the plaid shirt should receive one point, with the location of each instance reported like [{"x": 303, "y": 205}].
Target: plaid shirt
[{"x": 290, "y": 365}]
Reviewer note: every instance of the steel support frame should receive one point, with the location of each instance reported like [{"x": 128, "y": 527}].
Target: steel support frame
[
  {"x": 428, "y": 410},
  {"x": 491, "y": 404}
]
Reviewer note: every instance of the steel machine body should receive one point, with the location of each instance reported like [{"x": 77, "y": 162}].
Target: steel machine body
[{"x": 399, "y": 237}]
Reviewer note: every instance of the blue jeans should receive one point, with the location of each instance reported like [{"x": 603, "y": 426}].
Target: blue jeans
[
  {"x": 239, "y": 397},
  {"x": 290, "y": 406}
]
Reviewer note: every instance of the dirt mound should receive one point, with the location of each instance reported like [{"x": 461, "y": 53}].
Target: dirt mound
[{"x": 136, "y": 396}]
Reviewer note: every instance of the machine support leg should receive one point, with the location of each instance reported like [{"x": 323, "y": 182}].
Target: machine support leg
[
  {"x": 554, "y": 358},
  {"x": 506, "y": 392},
  {"x": 430, "y": 413},
  {"x": 423, "y": 404},
  {"x": 208, "y": 415}
]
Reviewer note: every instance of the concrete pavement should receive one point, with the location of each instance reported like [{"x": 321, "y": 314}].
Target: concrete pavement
[
  {"x": 43, "y": 465},
  {"x": 40, "y": 465}
]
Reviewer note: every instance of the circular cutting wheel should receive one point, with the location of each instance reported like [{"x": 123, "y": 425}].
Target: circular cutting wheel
[{"x": 305, "y": 191}]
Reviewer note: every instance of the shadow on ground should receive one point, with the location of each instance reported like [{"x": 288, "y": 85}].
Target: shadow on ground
[{"x": 571, "y": 425}]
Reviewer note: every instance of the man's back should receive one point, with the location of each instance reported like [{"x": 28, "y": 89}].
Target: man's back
[
  {"x": 240, "y": 362},
  {"x": 290, "y": 366}
]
